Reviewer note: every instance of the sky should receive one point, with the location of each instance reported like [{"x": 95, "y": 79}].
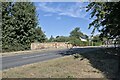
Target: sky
[{"x": 60, "y": 18}]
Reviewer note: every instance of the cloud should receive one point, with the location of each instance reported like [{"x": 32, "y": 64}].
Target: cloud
[
  {"x": 48, "y": 15},
  {"x": 75, "y": 10},
  {"x": 44, "y": 7}
]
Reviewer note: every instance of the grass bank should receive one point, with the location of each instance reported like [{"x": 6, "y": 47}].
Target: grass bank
[{"x": 66, "y": 67}]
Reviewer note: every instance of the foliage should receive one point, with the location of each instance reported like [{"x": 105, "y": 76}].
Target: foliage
[
  {"x": 75, "y": 36},
  {"x": 96, "y": 43},
  {"x": 51, "y": 39},
  {"x": 61, "y": 39},
  {"x": 74, "y": 41},
  {"x": 83, "y": 43},
  {"x": 96, "y": 40},
  {"x": 18, "y": 25},
  {"x": 105, "y": 14},
  {"x": 78, "y": 42},
  {"x": 76, "y": 33},
  {"x": 39, "y": 35}
]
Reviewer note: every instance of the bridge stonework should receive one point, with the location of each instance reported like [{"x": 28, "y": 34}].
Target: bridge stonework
[{"x": 35, "y": 46}]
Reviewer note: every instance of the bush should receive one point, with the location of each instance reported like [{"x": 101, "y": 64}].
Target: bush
[{"x": 97, "y": 43}]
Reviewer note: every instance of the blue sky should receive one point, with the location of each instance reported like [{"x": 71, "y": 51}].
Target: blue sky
[{"x": 60, "y": 18}]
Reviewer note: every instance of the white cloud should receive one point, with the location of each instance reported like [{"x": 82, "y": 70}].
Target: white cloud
[
  {"x": 73, "y": 10},
  {"x": 48, "y": 15},
  {"x": 44, "y": 7}
]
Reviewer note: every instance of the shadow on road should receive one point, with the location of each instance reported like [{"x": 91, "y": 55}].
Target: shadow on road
[{"x": 103, "y": 59}]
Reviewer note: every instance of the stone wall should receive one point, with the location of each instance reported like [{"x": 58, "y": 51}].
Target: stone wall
[{"x": 35, "y": 46}]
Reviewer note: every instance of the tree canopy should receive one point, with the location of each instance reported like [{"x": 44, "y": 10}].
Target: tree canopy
[
  {"x": 61, "y": 39},
  {"x": 106, "y": 17},
  {"x": 75, "y": 37},
  {"x": 19, "y": 26},
  {"x": 51, "y": 39},
  {"x": 39, "y": 35},
  {"x": 76, "y": 33}
]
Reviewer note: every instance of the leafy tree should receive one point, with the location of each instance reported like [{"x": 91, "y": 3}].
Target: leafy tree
[
  {"x": 106, "y": 19},
  {"x": 18, "y": 25},
  {"x": 96, "y": 38},
  {"x": 61, "y": 39},
  {"x": 57, "y": 36},
  {"x": 74, "y": 41},
  {"x": 105, "y": 15},
  {"x": 51, "y": 39},
  {"x": 0, "y": 27},
  {"x": 6, "y": 25},
  {"x": 76, "y": 33},
  {"x": 86, "y": 37},
  {"x": 39, "y": 35},
  {"x": 75, "y": 36}
]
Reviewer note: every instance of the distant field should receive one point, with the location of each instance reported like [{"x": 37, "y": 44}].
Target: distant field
[{"x": 89, "y": 65}]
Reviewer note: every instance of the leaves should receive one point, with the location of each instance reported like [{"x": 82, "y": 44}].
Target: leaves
[
  {"x": 107, "y": 15},
  {"x": 76, "y": 33},
  {"x": 19, "y": 23},
  {"x": 40, "y": 36}
]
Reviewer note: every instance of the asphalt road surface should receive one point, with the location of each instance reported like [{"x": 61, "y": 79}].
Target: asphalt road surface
[{"x": 19, "y": 60}]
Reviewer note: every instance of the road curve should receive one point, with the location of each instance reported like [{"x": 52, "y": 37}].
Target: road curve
[{"x": 19, "y": 60}]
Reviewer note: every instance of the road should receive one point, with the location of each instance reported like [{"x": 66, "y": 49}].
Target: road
[{"x": 19, "y": 60}]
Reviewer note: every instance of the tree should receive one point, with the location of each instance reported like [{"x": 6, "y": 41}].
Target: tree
[
  {"x": 6, "y": 25},
  {"x": 51, "y": 39},
  {"x": 107, "y": 16},
  {"x": 96, "y": 38},
  {"x": 57, "y": 36},
  {"x": 61, "y": 39},
  {"x": 39, "y": 35},
  {"x": 75, "y": 37},
  {"x": 76, "y": 33},
  {"x": 0, "y": 27},
  {"x": 18, "y": 25}
]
